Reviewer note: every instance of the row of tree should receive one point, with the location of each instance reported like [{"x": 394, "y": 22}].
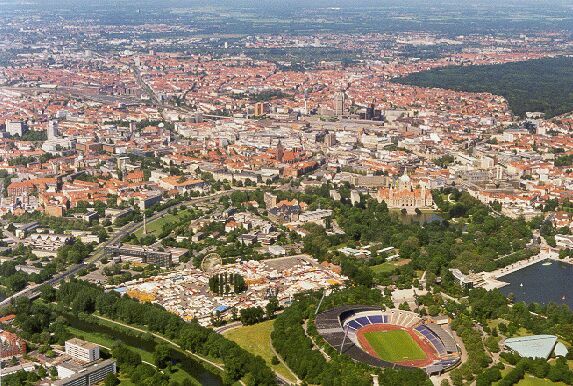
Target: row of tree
[
  {"x": 225, "y": 283},
  {"x": 82, "y": 297},
  {"x": 291, "y": 339},
  {"x": 129, "y": 363}
]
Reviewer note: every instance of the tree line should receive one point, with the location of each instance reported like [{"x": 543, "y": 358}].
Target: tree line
[
  {"x": 292, "y": 342},
  {"x": 225, "y": 283},
  {"x": 533, "y": 85},
  {"x": 82, "y": 297}
]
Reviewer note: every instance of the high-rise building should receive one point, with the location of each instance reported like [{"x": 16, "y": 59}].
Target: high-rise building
[
  {"x": 280, "y": 151},
  {"x": 81, "y": 350},
  {"x": 330, "y": 139},
  {"x": 15, "y": 128},
  {"x": 259, "y": 109},
  {"x": 370, "y": 112},
  {"x": 52, "y": 130},
  {"x": 270, "y": 200},
  {"x": 339, "y": 100}
]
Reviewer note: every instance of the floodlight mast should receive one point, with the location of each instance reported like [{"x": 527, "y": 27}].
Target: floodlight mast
[
  {"x": 344, "y": 339},
  {"x": 319, "y": 303}
]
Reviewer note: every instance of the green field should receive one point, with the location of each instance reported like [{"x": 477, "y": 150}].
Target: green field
[
  {"x": 384, "y": 267},
  {"x": 530, "y": 380},
  {"x": 155, "y": 227},
  {"x": 394, "y": 345},
  {"x": 257, "y": 340}
]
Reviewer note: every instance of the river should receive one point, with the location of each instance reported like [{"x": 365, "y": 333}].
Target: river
[
  {"x": 541, "y": 283},
  {"x": 193, "y": 367}
]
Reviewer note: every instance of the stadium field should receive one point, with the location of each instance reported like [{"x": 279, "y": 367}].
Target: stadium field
[{"x": 394, "y": 345}]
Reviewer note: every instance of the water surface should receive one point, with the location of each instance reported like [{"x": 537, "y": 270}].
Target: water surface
[{"x": 541, "y": 283}]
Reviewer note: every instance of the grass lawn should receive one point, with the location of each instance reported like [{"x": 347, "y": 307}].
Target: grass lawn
[
  {"x": 389, "y": 266},
  {"x": 530, "y": 380},
  {"x": 495, "y": 323},
  {"x": 394, "y": 345},
  {"x": 125, "y": 381},
  {"x": 384, "y": 267},
  {"x": 155, "y": 227},
  {"x": 106, "y": 341},
  {"x": 256, "y": 339},
  {"x": 522, "y": 331}
]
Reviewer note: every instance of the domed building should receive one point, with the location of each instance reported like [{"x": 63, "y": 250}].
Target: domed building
[{"x": 402, "y": 194}]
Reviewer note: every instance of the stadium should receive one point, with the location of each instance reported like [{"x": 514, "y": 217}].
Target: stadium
[{"x": 391, "y": 338}]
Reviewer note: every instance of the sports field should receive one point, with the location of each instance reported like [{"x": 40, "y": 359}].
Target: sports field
[{"x": 394, "y": 345}]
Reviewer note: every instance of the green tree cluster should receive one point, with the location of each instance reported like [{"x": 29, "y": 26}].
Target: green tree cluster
[{"x": 82, "y": 297}]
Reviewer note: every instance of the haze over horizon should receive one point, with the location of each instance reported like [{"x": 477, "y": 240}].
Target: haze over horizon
[{"x": 286, "y": 192}]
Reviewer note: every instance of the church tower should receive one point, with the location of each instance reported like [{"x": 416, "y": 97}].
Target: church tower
[{"x": 280, "y": 151}]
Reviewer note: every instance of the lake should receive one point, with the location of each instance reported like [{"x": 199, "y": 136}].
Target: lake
[
  {"x": 541, "y": 283},
  {"x": 421, "y": 219}
]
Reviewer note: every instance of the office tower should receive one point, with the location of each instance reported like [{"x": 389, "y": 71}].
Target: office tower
[
  {"x": 339, "y": 100},
  {"x": 15, "y": 128},
  {"x": 52, "y": 130},
  {"x": 280, "y": 151},
  {"x": 330, "y": 139}
]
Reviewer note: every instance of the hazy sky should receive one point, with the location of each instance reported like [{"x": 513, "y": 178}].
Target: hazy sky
[{"x": 304, "y": 3}]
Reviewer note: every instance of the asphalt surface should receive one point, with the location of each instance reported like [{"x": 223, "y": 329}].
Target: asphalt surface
[{"x": 99, "y": 252}]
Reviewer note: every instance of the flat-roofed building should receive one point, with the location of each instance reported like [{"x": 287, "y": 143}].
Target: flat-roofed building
[
  {"x": 533, "y": 346},
  {"x": 85, "y": 376},
  {"x": 81, "y": 350},
  {"x": 15, "y": 128},
  {"x": 145, "y": 255}
]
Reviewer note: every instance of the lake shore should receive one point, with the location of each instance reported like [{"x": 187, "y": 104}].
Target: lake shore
[{"x": 492, "y": 280}]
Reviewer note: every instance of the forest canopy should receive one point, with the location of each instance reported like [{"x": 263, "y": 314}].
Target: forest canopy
[{"x": 542, "y": 85}]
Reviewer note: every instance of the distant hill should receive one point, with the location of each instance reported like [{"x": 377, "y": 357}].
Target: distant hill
[{"x": 544, "y": 85}]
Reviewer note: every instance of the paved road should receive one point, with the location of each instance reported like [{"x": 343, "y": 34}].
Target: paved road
[
  {"x": 99, "y": 252},
  {"x": 197, "y": 356},
  {"x": 221, "y": 330}
]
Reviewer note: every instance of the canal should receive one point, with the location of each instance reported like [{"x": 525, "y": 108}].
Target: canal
[{"x": 190, "y": 365}]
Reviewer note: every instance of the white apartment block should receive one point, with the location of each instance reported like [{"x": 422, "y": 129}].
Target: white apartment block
[{"x": 81, "y": 350}]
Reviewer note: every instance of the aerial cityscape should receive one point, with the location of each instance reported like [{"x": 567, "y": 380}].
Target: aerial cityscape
[{"x": 330, "y": 192}]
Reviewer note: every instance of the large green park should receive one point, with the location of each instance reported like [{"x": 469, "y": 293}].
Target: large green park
[{"x": 543, "y": 85}]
